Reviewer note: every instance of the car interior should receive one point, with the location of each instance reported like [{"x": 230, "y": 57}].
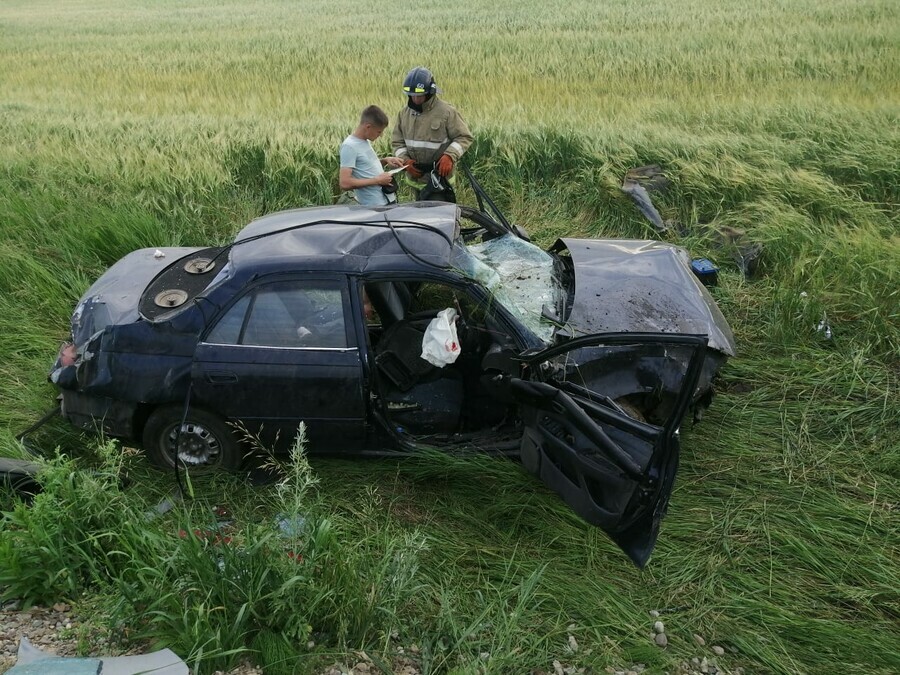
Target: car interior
[{"x": 463, "y": 402}]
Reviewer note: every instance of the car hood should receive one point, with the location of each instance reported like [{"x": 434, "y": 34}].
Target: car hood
[
  {"x": 627, "y": 286},
  {"x": 114, "y": 298}
]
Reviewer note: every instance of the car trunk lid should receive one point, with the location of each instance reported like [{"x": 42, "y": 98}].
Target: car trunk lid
[{"x": 114, "y": 298}]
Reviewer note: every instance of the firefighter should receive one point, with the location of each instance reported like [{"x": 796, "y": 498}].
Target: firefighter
[{"x": 430, "y": 134}]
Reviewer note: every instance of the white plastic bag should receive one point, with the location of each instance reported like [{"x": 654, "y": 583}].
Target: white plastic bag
[{"x": 440, "y": 345}]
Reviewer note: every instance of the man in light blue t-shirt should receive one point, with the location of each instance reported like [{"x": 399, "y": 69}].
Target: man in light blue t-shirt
[{"x": 361, "y": 170}]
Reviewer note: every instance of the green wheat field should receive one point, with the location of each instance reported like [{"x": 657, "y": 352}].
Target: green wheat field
[{"x": 127, "y": 124}]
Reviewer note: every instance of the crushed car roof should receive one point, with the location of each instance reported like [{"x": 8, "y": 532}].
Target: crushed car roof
[{"x": 349, "y": 237}]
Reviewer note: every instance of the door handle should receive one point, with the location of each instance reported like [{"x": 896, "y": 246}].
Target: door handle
[{"x": 221, "y": 377}]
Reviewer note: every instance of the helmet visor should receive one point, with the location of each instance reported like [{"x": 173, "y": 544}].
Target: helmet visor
[{"x": 415, "y": 91}]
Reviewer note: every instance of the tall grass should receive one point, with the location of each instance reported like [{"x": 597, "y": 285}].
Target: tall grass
[
  {"x": 211, "y": 589},
  {"x": 128, "y": 125}
]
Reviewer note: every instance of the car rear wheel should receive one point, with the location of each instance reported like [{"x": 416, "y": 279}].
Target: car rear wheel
[{"x": 204, "y": 441}]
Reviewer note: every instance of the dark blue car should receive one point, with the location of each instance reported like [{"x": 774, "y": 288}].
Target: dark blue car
[{"x": 581, "y": 360}]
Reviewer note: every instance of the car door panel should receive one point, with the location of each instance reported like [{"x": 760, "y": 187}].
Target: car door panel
[
  {"x": 615, "y": 471},
  {"x": 276, "y": 389},
  {"x": 252, "y": 370}
]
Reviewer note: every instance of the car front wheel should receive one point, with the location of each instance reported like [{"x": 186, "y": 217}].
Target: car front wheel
[{"x": 204, "y": 441}]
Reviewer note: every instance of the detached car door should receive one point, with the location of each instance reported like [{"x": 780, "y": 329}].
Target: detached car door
[
  {"x": 284, "y": 352},
  {"x": 601, "y": 416}
]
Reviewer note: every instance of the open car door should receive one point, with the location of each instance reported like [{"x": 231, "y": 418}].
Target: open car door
[{"x": 602, "y": 414}]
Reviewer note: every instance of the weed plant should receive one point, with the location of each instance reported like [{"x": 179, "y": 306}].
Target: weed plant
[
  {"x": 211, "y": 589},
  {"x": 128, "y": 125}
]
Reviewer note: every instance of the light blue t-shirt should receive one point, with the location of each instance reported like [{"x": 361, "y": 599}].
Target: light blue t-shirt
[{"x": 357, "y": 154}]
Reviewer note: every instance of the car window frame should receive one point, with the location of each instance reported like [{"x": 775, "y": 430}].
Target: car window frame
[
  {"x": 326, "y": 281},
  {"x": 525, "y": 340}
]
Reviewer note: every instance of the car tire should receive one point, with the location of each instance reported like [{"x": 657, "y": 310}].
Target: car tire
[{"x": 206, "y": 441}]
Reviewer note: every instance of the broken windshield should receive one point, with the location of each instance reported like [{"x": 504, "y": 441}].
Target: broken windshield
[{"x": 519, "y": 275}]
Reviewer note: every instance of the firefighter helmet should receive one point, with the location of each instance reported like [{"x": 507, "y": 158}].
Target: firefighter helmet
[{"x": 420, "y": 82}]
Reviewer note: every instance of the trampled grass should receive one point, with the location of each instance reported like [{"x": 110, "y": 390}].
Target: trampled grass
[{"x": 126, "y": 125}]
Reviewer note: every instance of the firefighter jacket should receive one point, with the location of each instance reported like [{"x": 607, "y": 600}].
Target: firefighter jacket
[{"x": 424, "y": 136}]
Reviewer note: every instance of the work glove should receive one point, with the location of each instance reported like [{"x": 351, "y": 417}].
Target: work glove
[
  {"x": 412, "y": 170},
  {"x": 444, "y": 166}
]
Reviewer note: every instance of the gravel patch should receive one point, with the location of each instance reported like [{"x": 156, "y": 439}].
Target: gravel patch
[
  {"x": 59, "y": 630},
  {"x": 48, "y": 628},
  {"x": 698, "y": 665}
]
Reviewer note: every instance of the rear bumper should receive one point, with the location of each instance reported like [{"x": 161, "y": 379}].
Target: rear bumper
[{"x": 99, "y": 413}]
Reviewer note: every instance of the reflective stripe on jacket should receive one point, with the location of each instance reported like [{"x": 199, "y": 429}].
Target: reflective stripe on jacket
[{"x": 425, "y": 136}]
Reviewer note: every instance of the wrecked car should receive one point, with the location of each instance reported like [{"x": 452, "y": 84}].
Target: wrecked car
[{"x": 581, "y": 360}]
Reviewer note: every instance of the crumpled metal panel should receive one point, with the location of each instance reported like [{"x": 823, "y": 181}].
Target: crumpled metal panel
[
  {"x": 628, "y": 286},
  {"x": 114, "y": 298},
  {"x": 137, "y": 362},
  {"x": 33, "y": 661},
  {"x": 264, "y": 242}
]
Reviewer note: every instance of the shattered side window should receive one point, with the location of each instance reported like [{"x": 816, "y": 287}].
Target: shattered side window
[{"x": 519, "y": 275}]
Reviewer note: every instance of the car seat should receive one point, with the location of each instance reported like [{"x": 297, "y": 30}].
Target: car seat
[
  {"x": 390, "y": 299},
  {"x": 398, "y": 354}
]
